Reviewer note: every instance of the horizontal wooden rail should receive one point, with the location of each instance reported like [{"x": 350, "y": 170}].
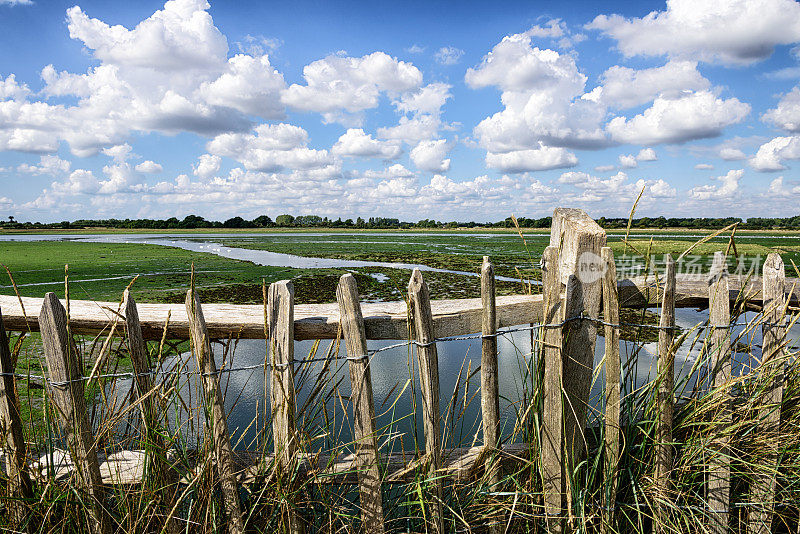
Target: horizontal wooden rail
[
  {"x": 382, "y": 320},
  {"x": 126, "y": 467}
]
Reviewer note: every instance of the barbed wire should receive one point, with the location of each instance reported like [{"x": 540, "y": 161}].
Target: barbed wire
[{"x": 371, "y": 353}]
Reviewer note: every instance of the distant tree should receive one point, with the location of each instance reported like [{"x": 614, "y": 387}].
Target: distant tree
[
  {"x": 237, "y": 222},
  {"x": 262, "y": 221},
  {"x": 284, "y": 220}
]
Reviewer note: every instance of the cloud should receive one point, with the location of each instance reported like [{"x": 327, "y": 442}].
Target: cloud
[
  {"x": 180, "y": 37},
  {"x": 11, "y": 90},
  {"x": 628, "y": 161},
  {"x": 558, "y": 31},
  {"x": 729, "y": 186},
  {"x": 16, "y": 2},
  {"x": 342, "y": 87},
  {"x": 270, "y": 148},
  {"x": 623, "y": 87},
  {"x": 704, "y": 167},
  {"x": 539, "y": 159},
  {"x": 431, "y": 156},
  {"x": 541, "y": 92},
  {"x": 49, "y": 165},
  {"x": 149, "y": 167},
  {"x": 415, "y": 49},
  {"x": 448, "y": 55},
  {"x": 250, "y": 85},
  {"x": 786, "y": 115},
  {"x": 771, "y": 155},
  {"x": 694, "y": 116},
  {"x": 736, "y": 32},
  {"x": 258, "y": 45},
  {"x": 207, "y": 166},
  {"x": 647, "y": 154},
  {"x": 355, "y": 143},
  {"x": 119, "y": 153}
]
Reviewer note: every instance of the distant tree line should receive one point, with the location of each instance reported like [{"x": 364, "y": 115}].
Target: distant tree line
[{"x": 315, "y": 221}]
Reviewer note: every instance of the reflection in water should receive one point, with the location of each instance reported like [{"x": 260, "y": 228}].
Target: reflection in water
[{"x": 395, "y": 382}]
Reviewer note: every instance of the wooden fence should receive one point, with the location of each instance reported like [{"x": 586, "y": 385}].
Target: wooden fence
[{"x": 578, "y": 282}]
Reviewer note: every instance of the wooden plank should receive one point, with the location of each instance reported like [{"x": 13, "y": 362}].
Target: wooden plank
[
  {"x": 215, "y": 409},
  {"x": 579, "y": 239},
  {"x": 719, "y": 350},
  {"x": 16, "y": 451},
  {"x": 369, "y": 477},
  {"x": 613, "y": 408},
  {"x": 159, "y": 475},
  {"x": 772, "y": 362},
  {"x": 382, "y": 320},
  {"x": 665, "y": 400},
  {"x": 428, "y": 359},
  {"x": 280, "y": 321},
  {"x": 490, "y": 389},
  {"x": 125, "y": 468},
  {"x": 553, "y": 413},
  {"x": 66, "y": 389}
]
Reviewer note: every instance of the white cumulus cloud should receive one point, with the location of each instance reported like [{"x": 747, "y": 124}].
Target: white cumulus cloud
[
  {"x": 677, "y": 120},
  {"x": 737, "y": 32},
  {"x": 431, "y": 156},
  {"x": 772, "y": 154}
]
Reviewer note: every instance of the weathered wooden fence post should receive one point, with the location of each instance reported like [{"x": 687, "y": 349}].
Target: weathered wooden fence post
[
  {"x": 158, "y": 470},
  {"x": 579, "y": 240},
  {"x": 428, "y": 359},
  {"x": 612, "y": 419},
  {"x": 666, "y": 384},
  {"x": 218, "y": 424},
  {"x": 719, "y": 350},
  {"x": 490, "y": 392},
  {"x": 67, "y": 393},
  {"x": 280, "y": 321},
  {"x": 762, "y": 493},
  {"x": 16, "y": 451},
  {"x": 369, "y": 477},
  {"x": 553, "y": 414}
]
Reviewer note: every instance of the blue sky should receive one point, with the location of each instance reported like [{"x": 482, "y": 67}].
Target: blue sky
[{"x": 445, "y": 110}]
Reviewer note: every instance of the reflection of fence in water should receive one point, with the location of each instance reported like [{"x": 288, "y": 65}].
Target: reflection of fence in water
[{"x": 563, "y": 321}]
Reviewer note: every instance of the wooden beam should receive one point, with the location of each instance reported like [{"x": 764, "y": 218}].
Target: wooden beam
[
  {"x": 369, "y": 476},
  {"x": 613, "y": 407},
  {"x": 773, "y": 360},
  {"x": 67, "y": 393},
  {"x": 216, "y": 418},
  {"x": 382, "y": 320},
  {"x": 719, "y": 353},
  {"x": 665, "y": 396},
  {"x": 125, "y": 468},
  {"x": 553, "y": 477},
  {"x": 428, "y": 359}
]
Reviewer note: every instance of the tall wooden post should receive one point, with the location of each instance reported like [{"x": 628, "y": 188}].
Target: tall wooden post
[
  {"x": 369, "y": 477},
  {"x": 762, "y": 494},
  {"x": 490, "y": 391},
  {"x": 612, "y": 426},
  {"x": 553, "y": 412},
  {"x": 16, "y": 451},
  {"x": 666, "y": 385},
  {"x": 280, "y": 321},
  {"x": 428, "y": 359},
  {"x": 67, "y": 392},
  {"x": 579, "y": 240},
  {"x": 214, "y": 402},
  {"x": 719, "y": 349},
  {"x": 158, "y": 472}
]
